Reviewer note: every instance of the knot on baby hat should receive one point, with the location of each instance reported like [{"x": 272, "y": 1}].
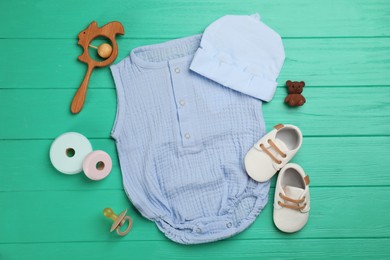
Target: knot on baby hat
[{"x": 242, "y": 53}]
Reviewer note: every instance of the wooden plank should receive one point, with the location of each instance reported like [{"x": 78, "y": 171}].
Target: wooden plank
[
  {"x": 37, "y": 113},
  {"x": 228, "y": 249},
  {"x": 347, "y": 111},
  {"x": 352, "y": 161},
  {"x": 319, "y": 62},
  {"x": 28, "y": 167},
  {"x": 174, "y": 18},
  {"x": 58, "y": 65},
  {"x": 70, "y": 216}
]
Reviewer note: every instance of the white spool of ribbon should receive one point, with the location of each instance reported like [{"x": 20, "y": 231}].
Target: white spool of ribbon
[{"x": 68, "y": 151}]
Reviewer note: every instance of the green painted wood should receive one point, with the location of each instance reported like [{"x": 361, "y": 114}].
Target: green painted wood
[
  {"x": 35, "y": 113},
  {"x": 340, "y": 48},
  {"x": 77, "y": 216},
  {"x": 174, "y": 18},
  {"x": 343, "y": 62},
  {"x": 229, "y": 249},
  {"x": 45, "y": 113},
  {"x": 28, "y": 167}
]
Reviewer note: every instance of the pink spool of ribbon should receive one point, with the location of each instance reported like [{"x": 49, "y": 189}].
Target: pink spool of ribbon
[{"x": 97, "y": 165}]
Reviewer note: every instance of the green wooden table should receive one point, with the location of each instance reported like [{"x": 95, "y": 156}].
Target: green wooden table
[{"x": 340, "y": 48}]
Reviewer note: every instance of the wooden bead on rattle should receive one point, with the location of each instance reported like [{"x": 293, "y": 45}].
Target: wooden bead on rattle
[{"x": 104, "y": 50}]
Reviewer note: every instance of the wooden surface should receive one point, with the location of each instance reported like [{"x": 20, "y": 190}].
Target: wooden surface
[{"x": 341, "y": 49}]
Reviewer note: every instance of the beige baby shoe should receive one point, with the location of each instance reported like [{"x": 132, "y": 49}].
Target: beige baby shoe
[
  {"x": 292, "y": 199},
  {"x": 272, "y": 152}
]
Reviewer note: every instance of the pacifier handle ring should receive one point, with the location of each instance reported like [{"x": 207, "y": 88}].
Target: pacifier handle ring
[{"x": 125, "y": 232}]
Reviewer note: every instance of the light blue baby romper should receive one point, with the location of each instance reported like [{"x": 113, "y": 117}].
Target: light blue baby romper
[{"x": 182, "y": 138}]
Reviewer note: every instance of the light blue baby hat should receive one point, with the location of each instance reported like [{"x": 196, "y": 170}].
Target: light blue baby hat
[{"x": 242, "y": 53}]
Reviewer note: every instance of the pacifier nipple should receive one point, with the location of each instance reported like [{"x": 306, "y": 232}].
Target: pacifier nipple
[{"x": 110, "y": 214}]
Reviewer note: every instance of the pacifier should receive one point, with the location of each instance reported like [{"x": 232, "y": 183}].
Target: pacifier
[{"x": 119, "y": 221}]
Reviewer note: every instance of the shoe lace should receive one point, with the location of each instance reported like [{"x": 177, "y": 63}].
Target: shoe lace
[
  {"x": 295, "y": 207},
  {"x": 273, "y": 145}
]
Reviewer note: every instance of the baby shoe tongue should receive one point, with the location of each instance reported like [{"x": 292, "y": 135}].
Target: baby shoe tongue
[{"x": 293, "y": 192}]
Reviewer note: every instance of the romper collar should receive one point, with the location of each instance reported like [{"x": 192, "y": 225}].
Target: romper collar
[{"x": 171, "y": 52}]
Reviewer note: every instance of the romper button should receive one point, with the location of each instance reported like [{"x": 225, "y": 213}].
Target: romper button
[
  {"x": 182, "y": 103},
  {"x": 187, "y": 136},
  {"x": 229, "y": 225},
  {"x": 177, "y": 70},
  {"x": 198, "y": 230}
]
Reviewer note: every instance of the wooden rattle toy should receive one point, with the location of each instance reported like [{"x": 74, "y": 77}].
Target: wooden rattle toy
[
  {"x": 119, "y": 221},
  {"x": 105, "y": 50}
]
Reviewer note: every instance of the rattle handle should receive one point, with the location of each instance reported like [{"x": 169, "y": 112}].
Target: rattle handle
[{"x": 79, "y": 97}]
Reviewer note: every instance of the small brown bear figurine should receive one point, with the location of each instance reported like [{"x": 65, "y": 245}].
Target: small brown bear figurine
[{"x": 294, "y": 98}]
